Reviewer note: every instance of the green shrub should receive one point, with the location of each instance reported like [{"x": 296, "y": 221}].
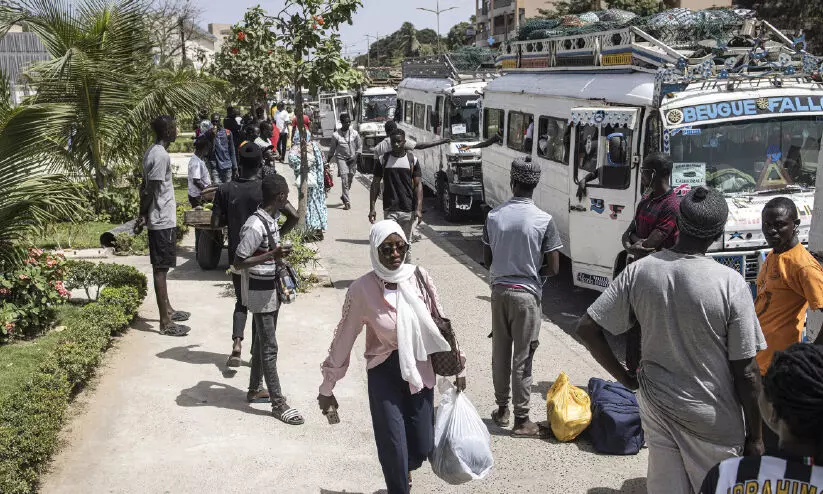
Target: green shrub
[
  {"x": 87, "y": 275},
  {"x": 182, "y": 228},
  {"x": 30, "y": 294},
  {"x": 32, "y": 416},
  {"x": 124, "y": 298}
]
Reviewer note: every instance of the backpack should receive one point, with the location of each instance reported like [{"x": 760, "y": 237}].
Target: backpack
[{"x": 615, "y": 427}]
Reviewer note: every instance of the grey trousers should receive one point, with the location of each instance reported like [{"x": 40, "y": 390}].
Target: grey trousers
[
  {"x": 402, "y": 218},
  {"x": 516, "y": 316},
  {"x": 264, "y": 357},
  {"x": 678, "y": 461},
  {"x": 346, "y": 171}
]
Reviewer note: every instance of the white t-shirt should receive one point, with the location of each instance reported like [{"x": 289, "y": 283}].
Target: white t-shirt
[
  {"x": 281, "y": 120},
  {"x": 530, "y": 131},
  {"x": 197, "y": 171}
]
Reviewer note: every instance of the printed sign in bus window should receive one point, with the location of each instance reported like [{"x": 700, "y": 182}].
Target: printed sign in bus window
[{"x": 686, "y": 176}]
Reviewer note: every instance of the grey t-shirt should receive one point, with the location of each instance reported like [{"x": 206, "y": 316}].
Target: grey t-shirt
[
  {"x": 157, "y": 174},
  {"x": 384, "y": 147},
  {"x": 519, "y": 234},
  {"x": 696, "y": 315}
]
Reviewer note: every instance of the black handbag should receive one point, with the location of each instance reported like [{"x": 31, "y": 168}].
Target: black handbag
[{"x": 446, "y": 363}]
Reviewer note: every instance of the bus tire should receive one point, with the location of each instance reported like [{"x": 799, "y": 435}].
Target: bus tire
[
  {"x": 447, "y": 202},
  {"x": 209, "y": 248}
]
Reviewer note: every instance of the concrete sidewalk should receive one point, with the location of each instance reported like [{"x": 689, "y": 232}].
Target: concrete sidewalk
[{"x": 166, "y": 417}]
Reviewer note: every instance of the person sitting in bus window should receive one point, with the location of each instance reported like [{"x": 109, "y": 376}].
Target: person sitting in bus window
[{"x": 529, "y": 137}]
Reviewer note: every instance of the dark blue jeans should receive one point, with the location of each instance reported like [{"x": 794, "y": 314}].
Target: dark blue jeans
[
  {"x": 264, "y": 357},
  {"x": 403, "y": 424}
]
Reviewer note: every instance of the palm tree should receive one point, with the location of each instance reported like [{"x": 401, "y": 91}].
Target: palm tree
[
  {"x": 30, "y": 197},
  {"x": 101, "y": 87}
]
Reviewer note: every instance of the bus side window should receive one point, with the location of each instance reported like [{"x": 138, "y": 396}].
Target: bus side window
[
  {"x": 518, "y": 131},
  {"x": 587, "y": 138},
  {"x": 398, "y": 112},
  {"x": 420, "y": 115},
  {"x": 429, "y": 118},
  {"x": 438, "y": 109},
  {"x": 492, "y": 121},
  {"x": 408, "y": 113},
  {"x": 553, "y": 138}
]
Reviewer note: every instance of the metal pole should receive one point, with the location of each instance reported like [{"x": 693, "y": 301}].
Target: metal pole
[{"x": 439, "y": 48}]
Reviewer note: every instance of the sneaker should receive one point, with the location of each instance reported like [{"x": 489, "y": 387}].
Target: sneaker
[{"x": 175, "y": 330}]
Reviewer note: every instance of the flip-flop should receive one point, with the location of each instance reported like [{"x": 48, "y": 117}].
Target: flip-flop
[
  {"x": 180, "y": 316},
  {"x": 175, "y": 330}
]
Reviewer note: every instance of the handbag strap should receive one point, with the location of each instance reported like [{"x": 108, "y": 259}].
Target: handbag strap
[
  {"x": 268, "y": 231},
  {"x": 427, "y": 291}
]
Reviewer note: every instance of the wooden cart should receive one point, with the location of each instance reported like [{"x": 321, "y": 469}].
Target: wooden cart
[{"x": 210, "y": 241}]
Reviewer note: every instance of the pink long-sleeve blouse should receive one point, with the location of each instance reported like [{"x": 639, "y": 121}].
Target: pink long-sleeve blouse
[{"x": 366, "y": 306}]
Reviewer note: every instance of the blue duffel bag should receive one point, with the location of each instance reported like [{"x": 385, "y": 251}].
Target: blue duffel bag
[{"x": 615, "y": 427}]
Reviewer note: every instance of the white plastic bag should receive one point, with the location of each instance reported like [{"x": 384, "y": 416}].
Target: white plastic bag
[{"x": 462, "y": 444}]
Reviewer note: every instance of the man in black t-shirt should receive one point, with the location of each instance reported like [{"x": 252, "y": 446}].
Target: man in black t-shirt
[
  {"x": 234, "y": 202},
  {"x": 403, "y": 189}
]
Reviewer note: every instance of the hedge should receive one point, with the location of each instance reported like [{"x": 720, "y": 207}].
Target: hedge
[{"x": 31, "y": 417}]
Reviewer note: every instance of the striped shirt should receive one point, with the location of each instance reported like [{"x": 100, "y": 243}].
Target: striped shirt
[
  {"x": 658, "y": 213},
  {"x": 258, "y": 283},
  {"x": 763, "y": 474}
]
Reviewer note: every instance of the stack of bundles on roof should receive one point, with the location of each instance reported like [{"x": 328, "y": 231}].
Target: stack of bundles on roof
[
  {"x": 472, "y": 58},
  {"x": 680, "y": 26}
]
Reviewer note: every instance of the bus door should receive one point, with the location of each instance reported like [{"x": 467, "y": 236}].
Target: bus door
[{"x": 601, "y": 190}]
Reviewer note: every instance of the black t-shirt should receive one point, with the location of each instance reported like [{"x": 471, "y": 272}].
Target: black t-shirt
[
  {"x": 234, "y": 127},
  {"x": 234, "y": 202},
  {"x": 398, "y": 181}
]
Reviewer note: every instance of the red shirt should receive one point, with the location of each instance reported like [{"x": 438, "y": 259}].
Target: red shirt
[
  {"x": 275, "y": 136},
  {"x": 658, "y": 213}
]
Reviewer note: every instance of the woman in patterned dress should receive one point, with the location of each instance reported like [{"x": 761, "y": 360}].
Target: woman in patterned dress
[{"x": 316, "y": 213}]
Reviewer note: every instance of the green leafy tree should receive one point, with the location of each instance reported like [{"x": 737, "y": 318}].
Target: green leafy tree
[
  {"x": 250, "y": 60},
  {"x": 571, "y": 7},
  {"x": 307, "y": 29},
  {"x": 457, "y": 36},
  {"x": 100, "y": 90}
]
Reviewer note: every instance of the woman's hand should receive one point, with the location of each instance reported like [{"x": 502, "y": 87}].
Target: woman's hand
[{"x": 326, "y": 402}]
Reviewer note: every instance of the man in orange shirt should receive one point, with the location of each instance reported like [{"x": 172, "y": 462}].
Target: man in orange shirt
[{"x": 790, "y": 281}]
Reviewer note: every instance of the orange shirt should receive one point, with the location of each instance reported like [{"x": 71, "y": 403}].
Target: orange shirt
[{"x": 787, "y": 285}]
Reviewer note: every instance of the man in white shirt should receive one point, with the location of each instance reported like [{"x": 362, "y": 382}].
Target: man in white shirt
[
  {"x": 345, "y": 150},
  {"x": 198, "y": 172},
  {"x": 281, "y": 120}
]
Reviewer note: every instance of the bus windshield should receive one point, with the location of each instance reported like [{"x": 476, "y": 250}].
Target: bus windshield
[
  {"x": 378, "y": 108},
  {"x": 752, "y": 156},
  {"x": 463, "y": 114}
]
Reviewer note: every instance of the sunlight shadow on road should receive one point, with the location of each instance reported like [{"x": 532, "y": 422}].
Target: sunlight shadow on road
[
  {"x": 327, "y": 491},
  {"x": 198, "y": 357},
  {"x": 214, "y": 394},
  {"x": 630, "y": 486}
]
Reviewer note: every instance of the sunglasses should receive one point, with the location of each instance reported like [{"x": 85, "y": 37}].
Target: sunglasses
[{"x": 387, "y": 249}]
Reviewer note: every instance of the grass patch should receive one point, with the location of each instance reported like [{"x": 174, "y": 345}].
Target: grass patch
[
  {"x": 19, "y": 360},
  {"x": 181, "y": 191},
  {"x": 72, "y": 235}
]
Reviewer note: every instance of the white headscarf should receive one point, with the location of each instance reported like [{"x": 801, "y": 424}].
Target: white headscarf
[{"x": 417, "y": 335}]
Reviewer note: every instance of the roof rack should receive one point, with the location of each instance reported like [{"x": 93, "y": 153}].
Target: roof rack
[
  {"x": 450, "y": 66},
  {"x": 760, "y": 51}
]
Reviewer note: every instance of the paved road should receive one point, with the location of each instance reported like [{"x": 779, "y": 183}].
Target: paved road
[{"x": 166, "y": 417}]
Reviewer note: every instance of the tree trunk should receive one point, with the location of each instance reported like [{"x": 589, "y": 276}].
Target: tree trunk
[{"x": 302, "y": 197}]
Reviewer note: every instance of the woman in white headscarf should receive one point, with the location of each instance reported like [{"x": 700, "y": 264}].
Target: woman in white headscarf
[{"x": 400, "y": 336}]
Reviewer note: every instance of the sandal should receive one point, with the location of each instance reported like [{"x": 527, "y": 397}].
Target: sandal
[
  {"x": 180, "y": 316},
  {"x": 261, "y": 396},
  {"x": 288, "y": 415},
  {"x": 539, "y": 431},
  {"x": 501, "y": 421},
  {"x": 175, "y": 330},
  {"x": 234, "y": 360}
]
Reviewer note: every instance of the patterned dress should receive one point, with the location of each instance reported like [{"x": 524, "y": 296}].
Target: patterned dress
[{"x": 316, "y": 214}]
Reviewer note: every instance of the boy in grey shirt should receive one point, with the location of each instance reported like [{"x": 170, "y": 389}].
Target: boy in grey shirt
[
  {"x": 700, "y": 336},
  {"x": 158, "y": 212}
]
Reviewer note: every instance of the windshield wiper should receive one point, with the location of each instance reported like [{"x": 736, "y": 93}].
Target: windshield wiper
[{"x": 787, "y": 188}]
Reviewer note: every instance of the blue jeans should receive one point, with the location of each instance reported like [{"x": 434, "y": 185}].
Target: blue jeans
[
  {"x": 219, "y": 176},
  {"x": 403, "y": 423}
]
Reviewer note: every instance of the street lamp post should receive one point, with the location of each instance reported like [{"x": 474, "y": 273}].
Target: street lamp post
[{"x": 437, "y": 12}]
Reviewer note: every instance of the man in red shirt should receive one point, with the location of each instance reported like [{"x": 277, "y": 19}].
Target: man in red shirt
[{"x": 654, "y": 228}]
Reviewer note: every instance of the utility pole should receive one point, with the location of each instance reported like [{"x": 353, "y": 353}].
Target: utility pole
[
  {"x": 368, "y": 49},
  {"x": 437, "y": 12}
]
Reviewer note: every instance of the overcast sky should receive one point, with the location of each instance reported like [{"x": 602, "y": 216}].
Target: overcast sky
[{"x": 376, "y": 17}]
